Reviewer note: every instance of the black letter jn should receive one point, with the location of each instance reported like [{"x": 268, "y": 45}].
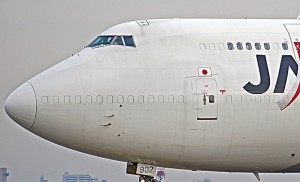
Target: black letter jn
[
  {"x": 264, "y": 84},
  {"x": 287, "y": 62}
]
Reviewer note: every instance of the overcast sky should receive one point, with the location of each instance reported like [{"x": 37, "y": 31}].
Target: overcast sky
[{"x": 36, "y": 34}]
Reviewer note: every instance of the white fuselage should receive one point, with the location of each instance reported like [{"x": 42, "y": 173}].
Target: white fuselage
[{"x": 153, "y": 103}]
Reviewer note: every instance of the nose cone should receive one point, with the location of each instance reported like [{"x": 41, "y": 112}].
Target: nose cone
[{"x": 20, "y": 105}]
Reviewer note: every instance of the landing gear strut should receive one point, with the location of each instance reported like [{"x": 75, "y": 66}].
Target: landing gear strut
[
  {"x": 147, "y": 179},
  {"x": 146, "y": 172}
]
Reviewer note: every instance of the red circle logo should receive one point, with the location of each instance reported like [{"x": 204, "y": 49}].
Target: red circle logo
[{"x": 204, "y": 72}]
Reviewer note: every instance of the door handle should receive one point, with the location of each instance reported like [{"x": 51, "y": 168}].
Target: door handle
[{"x": 204, "y": 99}]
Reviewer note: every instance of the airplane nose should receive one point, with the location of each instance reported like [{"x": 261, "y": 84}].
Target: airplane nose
[{"x": 20, "y": 105}]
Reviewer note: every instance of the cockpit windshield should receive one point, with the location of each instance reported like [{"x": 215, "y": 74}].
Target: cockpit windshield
[
  {"x": 102, "y": 40},
  {"x": 123, "y": 40},
  {"x": 118, "y": 41}
]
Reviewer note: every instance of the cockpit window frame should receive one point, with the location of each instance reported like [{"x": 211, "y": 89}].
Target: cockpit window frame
[
  {"x": 94, "y": 43},
  {"x": 131, "y": 38},
  {"x": 125, "y": 43},
  {"x": 115, "y": 38}
]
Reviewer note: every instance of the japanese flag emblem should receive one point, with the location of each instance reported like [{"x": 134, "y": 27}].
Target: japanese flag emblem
[{"x": 204, "y": 72}]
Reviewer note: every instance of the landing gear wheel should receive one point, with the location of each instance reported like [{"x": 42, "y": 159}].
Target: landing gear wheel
[{"x": 147, "y": 179}]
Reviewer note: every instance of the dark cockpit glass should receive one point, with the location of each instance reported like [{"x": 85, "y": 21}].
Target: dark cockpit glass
[
  {"x": 102, "y": 40},
  {"x": 129, "y": 41},
  {"x": 118, "y": 41},
  {"x": 123, "y": 40}
]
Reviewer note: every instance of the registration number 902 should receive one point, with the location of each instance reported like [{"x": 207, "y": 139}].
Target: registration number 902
[{"x": 146, "y": 169}]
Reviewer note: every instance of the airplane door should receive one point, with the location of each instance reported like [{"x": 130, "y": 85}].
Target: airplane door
[{"x": 204, "y": 98}]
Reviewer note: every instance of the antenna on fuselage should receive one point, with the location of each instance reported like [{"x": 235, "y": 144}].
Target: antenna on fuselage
[
  {"x": 256, "y": 174},
  {"x": 142, "y": 23}
]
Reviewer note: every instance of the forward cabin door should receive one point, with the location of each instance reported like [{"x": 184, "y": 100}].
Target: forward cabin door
[{"x": 204, "y": 98}]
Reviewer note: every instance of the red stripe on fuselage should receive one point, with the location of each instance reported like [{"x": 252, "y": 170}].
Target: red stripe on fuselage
[
  {"x": 294, "y": 97},
  {"x": 297, "y": 45}
]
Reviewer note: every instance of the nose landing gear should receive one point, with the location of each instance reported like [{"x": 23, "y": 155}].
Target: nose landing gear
[
  {"x": 146, "y": 172},
  {"x": 147, "y": 179}
]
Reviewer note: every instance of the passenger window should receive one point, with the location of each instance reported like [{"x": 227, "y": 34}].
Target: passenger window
[
  {"x": 67, "y": 99},
  {"x": 230, "y": 46},
  {"x": 239, "y": 99},
  {"x": 239, "y": 46},
  {"x": 285, "y": 46},
  {"x": 267, "y": 98},
  {"x": 110, "y": 99},
  {"x": 55, "y": 99},
  {"x": 221, "y": 46},
  {"x": 99, "y": 99},
  {"x": 161, "y": 99},
  {"x": 276, "y": 98},
  {"x": 150, "y": 99},
  {"x": 44, "y": 99},
  {"x": 181, "y": 99},
  {"x": 248, "y": 46},
  {"x": 212, "y": 46},
  {"x": 89, "y": 99},
  {"x": 257, "y": 46},
  {"x": 120, "y": 99},
  {"x": 248, "y": 98},
  {"x": 141, "y": 99},
  {"x": 202, "y": 46},
  {"x": 78, "y": 99},
  {"x": 267, "y": 46},
  {"x": 129, "y": 41},
  {"x": 170, "y": 98},
  {"x": 130, "y": 99},
  {"x": 229, "y": 98},
  {"x": 118, "y": 41},
  {"x": 257, "y": 98},
  {"x": 211, "y": 99}
]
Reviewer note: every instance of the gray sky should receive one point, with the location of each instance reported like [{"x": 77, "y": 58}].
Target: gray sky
[{"x": 36, "y": 34}]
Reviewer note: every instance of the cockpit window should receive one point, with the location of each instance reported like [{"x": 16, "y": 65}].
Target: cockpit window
[
  {"x": 118, "y": 41},
  {"x": 123, "y": 40},
  {"x": 129, "y": 41},
  {"x": 102, "y": 40}
]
